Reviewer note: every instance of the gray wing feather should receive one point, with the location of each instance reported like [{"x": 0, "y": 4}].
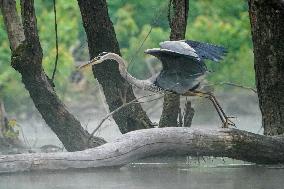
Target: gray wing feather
[
  {"x": 195, "y": 49},
  {"x": 179, "y": 47},
  {"x": 178, "y": 82},
  {"x": 207, "y": 51}
]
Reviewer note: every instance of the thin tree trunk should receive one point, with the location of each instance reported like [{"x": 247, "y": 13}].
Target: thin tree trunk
[
  {"x": 267, "y": 23},
  {"x": 27, "y": 60},
  {"x": 3, "y": 119},
  {"x": 139, "y": 144},
  {"x": 177, "y": 22},
  {"x": 101, "y": 38},
  {"x": 6, "y": 139}
]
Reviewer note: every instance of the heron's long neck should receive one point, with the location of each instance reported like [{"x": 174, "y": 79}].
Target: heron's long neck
[{"x": 142, "y": 84}]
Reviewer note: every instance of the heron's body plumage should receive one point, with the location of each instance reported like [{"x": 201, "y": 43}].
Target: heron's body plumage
[{"x": 183, "y": 63}]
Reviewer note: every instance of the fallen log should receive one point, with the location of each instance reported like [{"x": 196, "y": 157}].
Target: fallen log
[{"x": 232, "y": 143}]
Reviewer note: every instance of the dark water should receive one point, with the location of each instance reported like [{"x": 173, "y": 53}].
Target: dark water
[{"x": 153, "y": 177}]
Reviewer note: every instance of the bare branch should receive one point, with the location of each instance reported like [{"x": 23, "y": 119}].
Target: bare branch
[
  {"x": 118, "y": 109},
  {"x": 235, "y": 85},
  {"x": 29, "y": 22},
  {"x": 12, "y": 22},
  {"x": 56, "y": 41}
]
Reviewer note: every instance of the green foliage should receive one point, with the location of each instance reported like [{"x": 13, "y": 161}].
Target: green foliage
[
  {"x": 235, "y": 35},
  {"x": 125, "y": 26},
  {"x": 138, "y": 67},
  {"x": 221, "y": 22},
  {"x": 12, "y": 130},
  {"x": 68, "y": 17},
  {"x": 146, "y": 12}
]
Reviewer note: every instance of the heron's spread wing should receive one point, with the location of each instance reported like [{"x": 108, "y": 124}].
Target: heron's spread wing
[
  {"x": 180, "y": 73},
  {"x": 176, "y": 61},
  {"x": 183, "y": 65},
  {"x": 195, "y": 49}
]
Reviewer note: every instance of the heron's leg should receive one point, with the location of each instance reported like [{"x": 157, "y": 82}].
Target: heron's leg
[
  {"x": 224, "y": 118},
  {"x": 217, "y": 108},
  {"x": 227, "y": 118},
  {"x": 206, "y": 95}
]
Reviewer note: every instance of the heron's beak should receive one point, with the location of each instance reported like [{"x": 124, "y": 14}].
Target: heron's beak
[{"x": 90, "y": 63}]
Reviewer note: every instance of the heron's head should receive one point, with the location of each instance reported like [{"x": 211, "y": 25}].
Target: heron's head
[{"x": 98, "y": 59}]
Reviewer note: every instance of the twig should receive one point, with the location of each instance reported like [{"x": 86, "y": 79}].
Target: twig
[
  {"x": 157, "y": 15},
  {"x": 86, "y": 125},
  {"x": 24, "y": 137},
  {"x": 235, "y": 85},
  {"x": 102, "y": 97},
  {"x": 56, "y": 41},
  {"x": 141, "y": 45},
  {"x": 118, "y": 109},
  {"x": 149, "y": 100}
]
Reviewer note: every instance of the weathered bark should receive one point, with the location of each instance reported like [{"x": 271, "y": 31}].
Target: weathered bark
[
  {"x": 177, "y": 22},
  {"x": 15, "y": 30},
  {"x": 139, "y": 144},
  {"x": 171, "y": 109},
  {"x": 101, "y": 38},
  {"x": 27, "y": 60},
  {"x": 188, "y": 114},
  {"x": 267, "y": 23}
]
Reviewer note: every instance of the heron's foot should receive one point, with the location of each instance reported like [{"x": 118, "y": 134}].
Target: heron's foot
[{"x": 228, "y": 122}]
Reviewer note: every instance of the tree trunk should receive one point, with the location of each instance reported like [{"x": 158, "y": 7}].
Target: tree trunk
[
  {"x": 139, "y": 144},
  {"x": 267, "y": 23},
  {"x": 101, "y": 38},
  {"x": 3, "y": 119},
  {"x": 177, "y": 22},
  {"x": 27, "y": 60}
]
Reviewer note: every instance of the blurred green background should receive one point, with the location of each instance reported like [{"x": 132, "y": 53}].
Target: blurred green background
[{"x": 221, "y": 22}]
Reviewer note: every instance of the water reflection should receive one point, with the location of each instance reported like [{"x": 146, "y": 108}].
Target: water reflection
[{"x": 140, "y": 177}]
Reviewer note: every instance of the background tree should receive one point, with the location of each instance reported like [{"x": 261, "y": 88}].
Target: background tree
[
  {"x": 101, "y": 38},
  {"x": 177, "y": 22},
  {"x": 267, "y": 23},
  {"x": 27, "y": 60}
]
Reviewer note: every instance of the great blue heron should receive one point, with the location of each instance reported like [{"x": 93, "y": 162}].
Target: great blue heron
[{"x": 183, "y": 69}]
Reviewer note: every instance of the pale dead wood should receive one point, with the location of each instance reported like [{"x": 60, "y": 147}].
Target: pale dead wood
[{"x": 139, "y": 144}]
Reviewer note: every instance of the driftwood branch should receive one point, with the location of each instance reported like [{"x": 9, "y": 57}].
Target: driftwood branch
[{"x": 139, "y": 144}]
